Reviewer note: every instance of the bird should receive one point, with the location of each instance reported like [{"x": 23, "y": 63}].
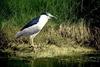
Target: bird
[{"x": 33, "y": 27}]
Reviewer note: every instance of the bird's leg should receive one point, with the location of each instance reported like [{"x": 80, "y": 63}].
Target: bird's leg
[
  {"x": 31, "y": 40},
  {"x": 32, "y": 43}
]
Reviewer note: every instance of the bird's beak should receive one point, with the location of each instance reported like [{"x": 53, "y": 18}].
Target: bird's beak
[{"x": 53, "y": 16}]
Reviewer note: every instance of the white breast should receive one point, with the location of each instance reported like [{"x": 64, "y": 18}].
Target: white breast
[{"x": 42, "y": 21}]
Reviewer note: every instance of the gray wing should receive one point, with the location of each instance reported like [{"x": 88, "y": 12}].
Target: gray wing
[{"x": 28, "y": 31}]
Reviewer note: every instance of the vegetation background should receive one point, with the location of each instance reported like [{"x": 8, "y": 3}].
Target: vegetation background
[{"x": 77, "y": 22}]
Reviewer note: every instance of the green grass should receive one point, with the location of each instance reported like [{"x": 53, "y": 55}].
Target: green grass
[
  {"x": 63, "y": 9},
  {"x": 44, "y": 50},
  {"x": 59, "y": 37},
  {"x": 54, "y": 40}
]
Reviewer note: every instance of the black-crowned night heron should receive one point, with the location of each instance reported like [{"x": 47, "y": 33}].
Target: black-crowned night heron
[{"x": 34, "y": 26}]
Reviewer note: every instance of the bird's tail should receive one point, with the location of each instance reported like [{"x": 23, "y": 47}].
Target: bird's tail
[{"x": 18, "y": 34}]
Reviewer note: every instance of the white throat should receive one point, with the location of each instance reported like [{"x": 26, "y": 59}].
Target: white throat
[{"x": 42, "y": 21}]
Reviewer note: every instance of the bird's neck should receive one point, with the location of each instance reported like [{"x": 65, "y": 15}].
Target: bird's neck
[{"x": 42, "y": 21}]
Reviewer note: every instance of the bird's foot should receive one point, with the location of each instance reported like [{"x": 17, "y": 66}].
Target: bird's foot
[{"x": 34, "y": 48}]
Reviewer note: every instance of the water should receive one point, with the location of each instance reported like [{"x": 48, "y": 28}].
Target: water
[{"x": 90, "y": 60}]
